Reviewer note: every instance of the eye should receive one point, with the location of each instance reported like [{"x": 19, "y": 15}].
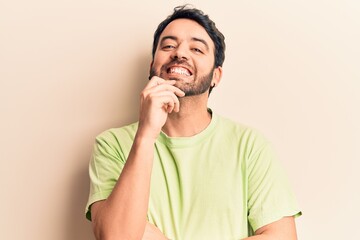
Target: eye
[
  {"x": 168, "y": 47},
  {"x": 197, "y": 50}
]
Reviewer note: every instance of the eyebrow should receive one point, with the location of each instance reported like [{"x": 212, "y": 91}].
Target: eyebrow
[
  {"x": 193, "y": 39},
  {"x": 202, "y": 41},
  {"x": 167, "y": 37}
]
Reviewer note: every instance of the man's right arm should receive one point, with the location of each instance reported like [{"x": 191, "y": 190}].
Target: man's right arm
[{"x": 123, "y": 214}]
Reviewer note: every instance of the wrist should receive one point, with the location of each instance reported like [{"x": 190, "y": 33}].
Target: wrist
[
  {"x": 147, "y": 134},
  {"x": 143, "y": 138}
]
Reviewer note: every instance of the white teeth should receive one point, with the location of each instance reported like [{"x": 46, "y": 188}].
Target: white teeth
[{"x": 178, "y": 70}]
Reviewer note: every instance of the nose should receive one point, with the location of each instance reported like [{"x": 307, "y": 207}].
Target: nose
[{"x": 180, "y": 53}]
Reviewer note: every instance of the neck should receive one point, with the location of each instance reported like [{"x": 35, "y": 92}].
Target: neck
[{"x": 192, "y": 118}]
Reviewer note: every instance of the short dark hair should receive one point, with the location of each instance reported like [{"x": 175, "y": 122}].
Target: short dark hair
[{"x": 198, "y": 16}]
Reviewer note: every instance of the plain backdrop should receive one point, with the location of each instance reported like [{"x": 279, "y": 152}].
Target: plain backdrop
[{"x": 72, "y": 69}]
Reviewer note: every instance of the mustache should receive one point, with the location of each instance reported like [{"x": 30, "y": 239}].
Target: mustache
[
  {"x": 176, "y": 62},
  {"x": 166, "y": 66}
]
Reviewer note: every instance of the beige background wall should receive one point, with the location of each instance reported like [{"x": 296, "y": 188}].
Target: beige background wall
[{"x": 71, "y": 69}]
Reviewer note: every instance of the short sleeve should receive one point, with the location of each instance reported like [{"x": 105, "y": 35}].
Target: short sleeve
[
  {"x": 106, "y": 164},
  {"x": 270, "y": 197}
]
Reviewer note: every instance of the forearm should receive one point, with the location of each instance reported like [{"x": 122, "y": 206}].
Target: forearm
[
  {"x": 153, "y": 233},
  {"x": 123, "y": 214},
  {"x": 283, "y": 229},
  {"x": 268, "y": 237},
  {"x": 259, "y": 237}
]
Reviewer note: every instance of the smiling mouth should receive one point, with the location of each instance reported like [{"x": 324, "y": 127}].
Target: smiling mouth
[{"x": 179, "y": 70}]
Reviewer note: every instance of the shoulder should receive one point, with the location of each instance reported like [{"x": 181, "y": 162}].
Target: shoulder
[
  {"x": 248, "y": 138},
  {"x": 242, "y": 131},
  {"x": 114, "y": 143},
  {"x": 114, "y": 133},
  {"x": 117, "y": 136}
]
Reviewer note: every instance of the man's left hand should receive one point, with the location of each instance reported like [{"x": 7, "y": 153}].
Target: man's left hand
[{"x": 153, "y": 233}]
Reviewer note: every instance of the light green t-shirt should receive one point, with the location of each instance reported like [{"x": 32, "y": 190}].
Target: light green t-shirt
[{"x": 223, "y": 183}]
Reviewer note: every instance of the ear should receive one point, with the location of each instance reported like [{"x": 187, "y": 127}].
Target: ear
[{"x": 216, "y": 76}]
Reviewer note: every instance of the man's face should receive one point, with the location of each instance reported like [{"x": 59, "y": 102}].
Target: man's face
[{"x": 185, "y": 53}]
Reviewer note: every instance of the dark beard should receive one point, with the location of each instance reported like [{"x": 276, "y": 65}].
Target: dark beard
[{"x": 199, "y": 86}]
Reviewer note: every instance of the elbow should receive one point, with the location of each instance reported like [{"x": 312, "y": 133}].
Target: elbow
[
  {"x": 109, "y": 226},
  {"x": 99, "y": 231},
  {"x": 104, "y": 230}
]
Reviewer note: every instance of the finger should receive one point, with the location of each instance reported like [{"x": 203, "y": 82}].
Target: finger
[
  {"x": 151, "y": 93},
  {"x": 165, "y": 95},
  {"x": 177, "y": 91},
  {"x": 165, "y": 99},
  {"x": 175, "y": 104},
  {"x": 167, "y": 103},
  {"x": 165, "y": 87},
  {"x": 158, "y": 81},
  {"x": 170, "y": 107}
]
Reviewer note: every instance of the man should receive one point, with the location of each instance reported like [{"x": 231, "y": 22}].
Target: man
[{"x": 183, "y": 172}]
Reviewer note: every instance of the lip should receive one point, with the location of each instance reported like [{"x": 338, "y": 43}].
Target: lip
[{"x": 179, "y": 66}]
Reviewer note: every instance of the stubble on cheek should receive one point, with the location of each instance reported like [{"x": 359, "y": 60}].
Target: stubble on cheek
[
  {"x": 152, "y": 73},
  {"x": 199, "y": 86}
]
